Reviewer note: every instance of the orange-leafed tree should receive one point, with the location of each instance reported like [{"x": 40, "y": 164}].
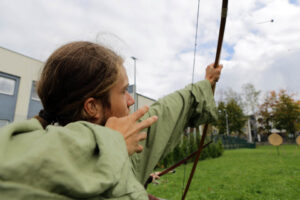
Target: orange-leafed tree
[
  {"x": 266, "y": 113},
  {"x": 281, "y": 111}
]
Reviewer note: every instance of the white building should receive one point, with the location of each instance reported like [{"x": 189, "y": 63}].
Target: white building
[
  {"x": 140, "y": 100},
  {"x": 18, "y": 97},
  {"x": 18, "y": 75}
]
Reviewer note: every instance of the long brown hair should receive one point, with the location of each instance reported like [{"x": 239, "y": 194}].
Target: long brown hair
[{"x": 73, "y": 73}]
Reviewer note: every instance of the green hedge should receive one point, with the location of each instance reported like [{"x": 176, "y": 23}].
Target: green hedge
[{"x": 189, "y": 145}]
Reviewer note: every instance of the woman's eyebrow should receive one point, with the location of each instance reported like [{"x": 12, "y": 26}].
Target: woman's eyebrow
[{"x": 125, "y": 86}]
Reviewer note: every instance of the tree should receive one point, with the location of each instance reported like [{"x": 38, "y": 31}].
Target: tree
[
  {"x": 236, "y": 117},
  {"x": 221, "y": 122},
  {"x": 281, "y": 111},
  {"x": 286, "y": 113},
  {"x": 298, "y": 120},
  {"x": 230, "y": 94},
  {"x": 250, "y": 98},
  {"x": 266, "y": 117}
]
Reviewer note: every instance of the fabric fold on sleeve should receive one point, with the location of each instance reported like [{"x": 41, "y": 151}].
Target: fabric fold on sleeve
[
  {"x": 191, "y": 106},
  {"x": 79, "y": 161},
  {"x": 205, "y": 111}
]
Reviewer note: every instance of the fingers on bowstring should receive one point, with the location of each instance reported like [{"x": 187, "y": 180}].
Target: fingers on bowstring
[
  {"x": 142, "y": 136},
  {"x": 139, "y": 149},
  {"x": 139, "y": 113},
  {"x": 147, "y": 122}
]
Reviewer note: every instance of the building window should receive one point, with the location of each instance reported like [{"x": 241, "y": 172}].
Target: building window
[
  {"x": 7, "y": 85},
  {"x": 35, "y": 104},
  {"x": 34, "y": 95}
]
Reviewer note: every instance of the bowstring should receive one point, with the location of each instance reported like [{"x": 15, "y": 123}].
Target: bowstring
[
  {"x": 195, "y": 44},
  {"x": 193, "y": 72}
]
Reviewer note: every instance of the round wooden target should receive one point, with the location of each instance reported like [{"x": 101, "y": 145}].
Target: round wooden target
[
  {"x": 275, "y": 139},
  {"x": 298, "y": 140}
]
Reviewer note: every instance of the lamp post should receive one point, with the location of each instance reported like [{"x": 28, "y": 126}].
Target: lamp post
[
  {"x": 227, "y": 128},
  {"x": 134, "y": 85},
  {"x": 249, "y": 130}
]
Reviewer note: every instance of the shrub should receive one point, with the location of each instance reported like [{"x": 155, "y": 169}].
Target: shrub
[{"x": 180, "y": 152}]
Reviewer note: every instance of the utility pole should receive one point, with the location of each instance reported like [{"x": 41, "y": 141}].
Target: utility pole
[
  {"x": 134, "y": 85},
  {"x": 249, "y": 130},
  {"x": 227, "y": 128}
]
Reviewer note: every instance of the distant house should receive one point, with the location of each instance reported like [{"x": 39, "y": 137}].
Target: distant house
[
  {"x": 18, "y": 75},
  {"x": 140, "y": 100}
]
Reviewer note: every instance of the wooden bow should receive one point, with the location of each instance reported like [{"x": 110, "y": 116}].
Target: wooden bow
[
  {"x": 201, "y": 145},
  {"x": 218, "y": 54}
]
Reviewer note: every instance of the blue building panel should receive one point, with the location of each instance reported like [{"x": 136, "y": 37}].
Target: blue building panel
[
  {"x": 35, "y": 104},
  {"x": 9, "y": 87},
  {"x": 130, "y": 88}
]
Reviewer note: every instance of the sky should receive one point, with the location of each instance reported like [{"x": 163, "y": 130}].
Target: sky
[{"x": 160, "y": 34}]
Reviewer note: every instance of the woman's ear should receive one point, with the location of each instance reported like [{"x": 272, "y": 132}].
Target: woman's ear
[{"x": 93, "y": 108}]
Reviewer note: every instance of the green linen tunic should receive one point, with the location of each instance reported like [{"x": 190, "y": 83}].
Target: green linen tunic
[{"x": 86, "y": 161}]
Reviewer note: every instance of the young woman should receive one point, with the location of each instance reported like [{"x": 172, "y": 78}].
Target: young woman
[{"x": 84, "y": 144}]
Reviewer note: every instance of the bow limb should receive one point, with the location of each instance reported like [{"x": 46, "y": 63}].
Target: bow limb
[
  {"x": 160, "y": 174},
  {"x": 218, "y": 53}
]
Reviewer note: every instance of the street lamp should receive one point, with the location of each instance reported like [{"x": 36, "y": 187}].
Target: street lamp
[
  {"x": 134, "y": 85},
  {"x": 227, "y": 128}
]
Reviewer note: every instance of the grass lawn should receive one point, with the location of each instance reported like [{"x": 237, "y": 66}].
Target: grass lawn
[{"x": 241, "y": 174}]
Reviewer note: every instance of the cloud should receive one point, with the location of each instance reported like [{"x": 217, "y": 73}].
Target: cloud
[{"x": 161, "y": 35}]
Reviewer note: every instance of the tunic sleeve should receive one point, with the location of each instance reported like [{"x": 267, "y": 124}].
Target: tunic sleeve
[
  {"x": 191, "y": 106},
  {"x": 78, "y": 161}
]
